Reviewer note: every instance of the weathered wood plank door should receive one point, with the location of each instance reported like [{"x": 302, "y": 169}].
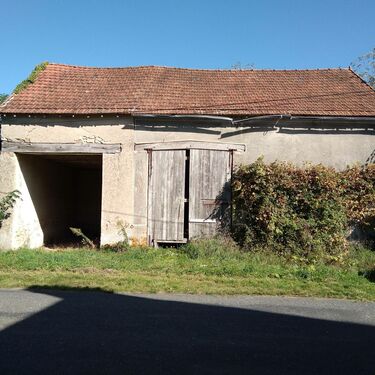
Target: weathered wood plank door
[
  {"x": 209, "y": 190},
  {"x": 166, "y": 196}
]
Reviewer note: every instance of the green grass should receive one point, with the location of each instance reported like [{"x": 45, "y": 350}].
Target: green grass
[{"x": 208, "y": 271}]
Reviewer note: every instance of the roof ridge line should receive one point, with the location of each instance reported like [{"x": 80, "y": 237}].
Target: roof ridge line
[{"x": 197, "y": 69}]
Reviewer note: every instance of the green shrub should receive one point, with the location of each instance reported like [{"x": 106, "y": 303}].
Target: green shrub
[
  {"x": 7, "y": 203},
  {"x": 217, "y": 247},
  {"x": 289, "y": 209},
  {"x": 31, "y": 78},
  {"x": 359, "y": 198},
  {"x": 360, "y": 257},
  {"x": 118, "y": 247}
]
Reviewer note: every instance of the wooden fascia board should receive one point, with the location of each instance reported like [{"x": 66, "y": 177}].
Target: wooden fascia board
[{"x": 60, "y": 148}]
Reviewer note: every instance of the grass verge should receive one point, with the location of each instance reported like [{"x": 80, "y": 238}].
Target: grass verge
[{"x": 166, "y": 270}]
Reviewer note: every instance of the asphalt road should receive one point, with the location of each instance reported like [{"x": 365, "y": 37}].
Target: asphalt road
[{"x": 87, "y": 332}]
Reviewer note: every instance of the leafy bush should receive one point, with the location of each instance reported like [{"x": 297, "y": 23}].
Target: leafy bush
[
  {"x": 7, "y": 203},
  {"x": 217, "y": 247},
  {"x": 31, "y": 78},
  {"x": 289, "y": 209},
  {"x": 118, "y": 247},
  {"x": 360, "y": 257},
  {"x": 359, "y": 197}
]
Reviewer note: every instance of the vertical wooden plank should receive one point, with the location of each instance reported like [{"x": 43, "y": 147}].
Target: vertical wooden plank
[
  {"x": 167, "y": 184},
  {"x": 149, "y": 199},
  {"x": 209, "y": 188}
]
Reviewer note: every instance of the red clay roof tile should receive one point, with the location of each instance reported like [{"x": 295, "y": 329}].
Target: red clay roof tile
[{"x": 64, "y": 89}]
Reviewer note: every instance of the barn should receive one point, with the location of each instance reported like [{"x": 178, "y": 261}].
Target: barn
[{"x": 150, "y": 150}]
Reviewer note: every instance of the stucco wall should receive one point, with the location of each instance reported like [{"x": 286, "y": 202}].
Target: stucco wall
[
  {"x": 118, "y": 172},
  {"x": 124, "y": 189},
  {"x": 297, "y": 143},
  {"x": 22, "y": 229},
  {"x": 8, "y": 177},
  {"x": 294, "y": 142}
]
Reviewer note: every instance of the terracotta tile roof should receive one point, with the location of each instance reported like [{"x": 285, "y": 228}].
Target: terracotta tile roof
[{"x": 63, "y": 89}]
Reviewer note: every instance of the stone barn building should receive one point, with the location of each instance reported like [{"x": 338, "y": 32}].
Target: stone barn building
[{"x": 150, "y": 149}]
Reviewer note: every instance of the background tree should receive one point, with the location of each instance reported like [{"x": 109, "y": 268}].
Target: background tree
[
  {"x": 3, "y": 97},
  {"x": 239, "y": 66},
  {"x": 364, "y": 66}
]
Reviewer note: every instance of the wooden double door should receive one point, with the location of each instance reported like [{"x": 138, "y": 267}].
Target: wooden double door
[{"x": 188, "y": 191}]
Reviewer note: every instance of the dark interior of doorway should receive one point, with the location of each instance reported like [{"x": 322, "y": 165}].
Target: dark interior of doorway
[{"x": 66, "y": 192}]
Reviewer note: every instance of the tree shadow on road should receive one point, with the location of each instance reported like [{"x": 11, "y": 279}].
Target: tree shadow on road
[{"x": 102, "y": 333}]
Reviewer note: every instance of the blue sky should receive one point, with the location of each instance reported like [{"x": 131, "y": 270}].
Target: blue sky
[{"x": 276, "y": 34}]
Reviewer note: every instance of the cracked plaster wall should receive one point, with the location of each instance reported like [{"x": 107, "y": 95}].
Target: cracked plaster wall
[{"x": 118, "y": 173}]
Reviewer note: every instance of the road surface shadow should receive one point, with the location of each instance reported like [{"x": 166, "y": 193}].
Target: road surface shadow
[{"x": 102, "y": 333}]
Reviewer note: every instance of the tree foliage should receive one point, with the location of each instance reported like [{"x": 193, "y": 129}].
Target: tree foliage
[
  {"x": 239, "y": 66},
  {"x": 364, "y": 66},
  {"x": 3, "y": 97},
  {"x": 7, "y": 203}
]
